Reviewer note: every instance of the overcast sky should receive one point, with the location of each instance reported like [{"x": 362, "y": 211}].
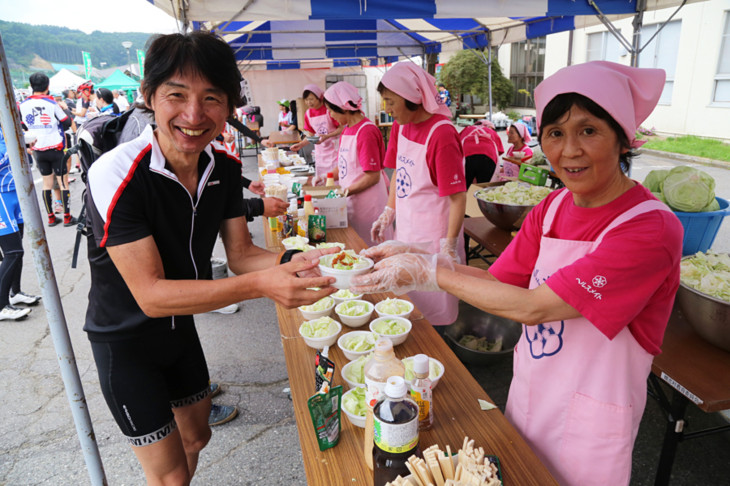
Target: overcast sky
[{"x": 90, "y": 15}]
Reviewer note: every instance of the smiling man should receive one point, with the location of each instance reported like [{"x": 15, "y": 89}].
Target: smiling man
[{"x": 156, "y": 205}]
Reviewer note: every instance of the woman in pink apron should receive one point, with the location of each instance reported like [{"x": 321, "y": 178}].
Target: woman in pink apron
[
  {"x": 482, "y": 148},
  {"x": 427, "y": 197},
  {"x": 360, "y": 162},
  {"x": 319, "y": 123},
  {"x": 592, "y": 274}
]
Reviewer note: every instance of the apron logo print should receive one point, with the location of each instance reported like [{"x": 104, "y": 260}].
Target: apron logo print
[
  {"x": 343, "y": 166},
  {"x": 403, "y": 183},
  {"x": 545, "y": 339}
]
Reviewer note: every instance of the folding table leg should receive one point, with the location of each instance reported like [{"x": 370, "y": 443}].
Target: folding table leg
[{"x": 672, "y": 437}]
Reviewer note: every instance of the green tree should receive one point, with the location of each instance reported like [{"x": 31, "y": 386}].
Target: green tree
[{"x": 467, "y": 73}]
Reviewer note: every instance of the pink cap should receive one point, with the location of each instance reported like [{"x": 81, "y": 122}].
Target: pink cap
[
  {"x": 344, "y": 95},
  {"x": 628, "y": 94},
  {"x": 414, "y": 84},
  {"x": 316, "y": 90},
  {"x": 485, "y": 123},
  {"x": 523, "y": 131}
]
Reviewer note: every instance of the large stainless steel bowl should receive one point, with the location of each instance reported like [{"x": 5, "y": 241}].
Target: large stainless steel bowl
[
  {"x": 708, "y": 316},
  {"x": 481, "y": 324},
  {"x": 508, "y": 217}
]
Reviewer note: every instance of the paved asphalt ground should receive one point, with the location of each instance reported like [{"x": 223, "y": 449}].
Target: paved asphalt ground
[{"x": 39, "y": 445}]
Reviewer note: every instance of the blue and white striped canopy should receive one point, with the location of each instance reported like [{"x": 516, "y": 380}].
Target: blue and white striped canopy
[{"x": 284, "y": 32}]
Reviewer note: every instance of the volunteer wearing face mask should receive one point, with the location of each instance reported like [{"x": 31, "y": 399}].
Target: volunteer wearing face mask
[
  {"x": 318, "y": 122},
  {"x": 427, "y": 196},
  {"x": 360, "y": 162},
  {"x": 592, "y": 274}
]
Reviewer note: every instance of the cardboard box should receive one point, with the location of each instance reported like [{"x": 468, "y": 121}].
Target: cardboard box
[
  {"x": 335, "y": 210},
  {"x": 319, "y": 192},
  {"x": 285, "y": 136}
]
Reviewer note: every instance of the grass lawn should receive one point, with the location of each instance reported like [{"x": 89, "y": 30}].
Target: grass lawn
[{"x": 690, "y": 145}]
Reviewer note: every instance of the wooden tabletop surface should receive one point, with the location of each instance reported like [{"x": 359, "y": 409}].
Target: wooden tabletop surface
[
  {"x": 457, "y": 412},
  {"x": 694, "y": 367},
  {"x": 481, "y": 230}
]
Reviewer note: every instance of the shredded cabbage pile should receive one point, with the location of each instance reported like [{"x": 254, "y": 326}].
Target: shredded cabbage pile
[
  {"x": 319, "y": 328},
  {"x": 709, "y": 273},
  {"x": 352, "y": 308},
  {"x": 359, "y": 342},
  {"x": 322, "y": 246},
  {"x": 320, "y": 305},
  {"x": 515, "y": 193},
  {"x": 683, "y": 189},
  {"x": 389, "y": 326},
  {"x": 345, "y": 294},
  {"x": 393, "y": 307},
  {"x": 354, "y": 402},
  {"x": 354, "y": 370},
  {"x": 296, "y": 242},
  {"x": 345, "y": 260},
  {"x": 433, "y": 369}
]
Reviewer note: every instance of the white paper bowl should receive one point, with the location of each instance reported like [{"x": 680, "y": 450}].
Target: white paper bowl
[
  {"x": 343, "y": 276},
  {"x": 355, "y": 321},
  {"x": 353, "y": 355},
  {"x": 402, "y": 314},
  {"x": 434, "y": 380},
  {"x": 350, "y": 383},
  {"x": 320, "y": 343},
  {"x": 309, "y": 315},
  {"x": 396, "y": 339},
  {"x": 355, "y": 420},
  {"x": 339, "y": 300},
  {"x": 295, "y": 242}
]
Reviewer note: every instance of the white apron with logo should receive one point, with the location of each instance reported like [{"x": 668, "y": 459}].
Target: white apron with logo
[
  {"x": 422, "y": 217},
  {"x": 576, "y": 396},
  {"x": 325, "y": 153},
  {"x": 365, "y": 207}
]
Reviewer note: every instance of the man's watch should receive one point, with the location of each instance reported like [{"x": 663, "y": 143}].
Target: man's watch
[{"x": 287, "y": 256}]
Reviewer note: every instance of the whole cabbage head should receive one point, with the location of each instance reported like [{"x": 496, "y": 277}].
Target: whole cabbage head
[
  {"x": 654, "y": 180},
  {"x": 688, "y": 190}
]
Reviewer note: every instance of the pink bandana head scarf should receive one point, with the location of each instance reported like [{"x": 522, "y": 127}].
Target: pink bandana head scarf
[
  {"x": 344, "y": 95},
  {"x": 523, "y": 131},
  {"x": 414, "y": 84},
  {"x": 315, "y": 90},
  {"x": 628, "y": 94}
]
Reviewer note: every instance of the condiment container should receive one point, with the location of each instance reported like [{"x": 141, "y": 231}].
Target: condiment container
[{"x": 420, "y": 391}]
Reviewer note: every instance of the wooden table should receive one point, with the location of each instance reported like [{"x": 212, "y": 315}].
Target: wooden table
[
  {"x": 698, "y": 373},
  {"x": 457, "y": 412},
  {"x": 491, "y": 241}
]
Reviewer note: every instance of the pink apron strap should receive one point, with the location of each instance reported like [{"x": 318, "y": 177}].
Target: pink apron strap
[
  {"x": 641, "y": 208},
  {"x": 434, "y": 127},
  {"x": 552, "y": 209}
]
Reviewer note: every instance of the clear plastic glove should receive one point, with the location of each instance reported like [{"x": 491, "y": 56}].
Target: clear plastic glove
[
  {"x": 448, "y": 248},
  {"x": 390, "y": 248},
  {"x": 384, "y": 221},
  {"x": 319, "y": 180},
  {"x": 401, "y": 274}
]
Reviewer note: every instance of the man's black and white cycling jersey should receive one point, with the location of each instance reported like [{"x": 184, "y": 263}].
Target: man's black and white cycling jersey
[{"x": 132, "y": 194}]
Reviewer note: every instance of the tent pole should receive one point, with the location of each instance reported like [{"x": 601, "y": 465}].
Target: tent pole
[
  {"x": 489, "y": 65},
  {"x": 635, "y": 40},
  {"x": 570, "y": 48},
  {"x": 10, "y": 121}
]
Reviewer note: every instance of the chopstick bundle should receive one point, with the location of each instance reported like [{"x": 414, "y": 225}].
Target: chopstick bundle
[{"x": 437, "y": 468}]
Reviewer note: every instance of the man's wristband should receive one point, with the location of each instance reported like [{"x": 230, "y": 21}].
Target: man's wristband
[{"x": 287, "y": 255}]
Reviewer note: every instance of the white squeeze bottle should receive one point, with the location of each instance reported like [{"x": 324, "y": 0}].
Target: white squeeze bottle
[
  {"x": 421, "y": 391},
  {"x": 377, "y": 370},
  {"x": 302, "y": 224}
]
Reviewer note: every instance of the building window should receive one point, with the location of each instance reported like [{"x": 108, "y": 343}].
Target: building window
[
  {"x": 721, "y": 93},
  {"x": 527, "y": 70},
  {"x": 662, "y": 53},
  {"x": 603, "y": 46}
]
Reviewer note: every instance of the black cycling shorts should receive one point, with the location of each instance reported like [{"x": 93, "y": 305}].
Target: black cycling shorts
[
  {"x": 144, "y": 378},
  {"x": 50, "y": 162}
]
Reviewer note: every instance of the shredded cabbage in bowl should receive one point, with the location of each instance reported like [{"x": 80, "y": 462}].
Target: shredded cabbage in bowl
[
  {"x": 345, "y": 260},
  {"x": 296, "y": 242},
  {"x": 354, "y": 402},
  {"x": 319, "y": 328},
  {"x": 433, "y": 369},
  {"x": 708, "y": 273},
  {"x": 514, "y": 193},
  {"x": 320, "y": 305},
  {"x": 359, "y": 342},
  {"x": 393, "y": 307},
  {"x": 353, "y": 308},
  {"x": 345, "y": 294},
  {"x": 353, "y": 371},
  {"x": 390, "y": 327}
]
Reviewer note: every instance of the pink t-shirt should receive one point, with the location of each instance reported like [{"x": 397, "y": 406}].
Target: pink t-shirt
[
  {"x": 444, "y": 157},
  {"x": 322, "y": 110},
  {"x": 639, "y": 259},
  {"x": 478, "y": 139},
  {"x": 527, "y": 150},
  {"x": 370, "y": 146}
]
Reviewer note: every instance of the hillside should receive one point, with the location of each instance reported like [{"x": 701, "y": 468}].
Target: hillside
[{"x": 24, "y": 43}]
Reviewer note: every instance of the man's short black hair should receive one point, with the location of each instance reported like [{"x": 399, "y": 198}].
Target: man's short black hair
[
  {"x": 39, "y": 82},
  {"x": 199, "y": 53}
]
